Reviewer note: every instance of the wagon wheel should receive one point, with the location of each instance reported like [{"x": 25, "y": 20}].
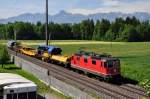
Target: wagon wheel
[
  {"x": 52, "y": 61},
  {"x": 66, "y": 65},
  {"x": 20, "y": 52}
]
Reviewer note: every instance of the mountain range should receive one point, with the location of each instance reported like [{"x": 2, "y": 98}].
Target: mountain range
[{"x": 65, "y": 17}]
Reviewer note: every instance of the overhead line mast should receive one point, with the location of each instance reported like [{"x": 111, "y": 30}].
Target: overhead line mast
[{"x": 46, "y": 23}]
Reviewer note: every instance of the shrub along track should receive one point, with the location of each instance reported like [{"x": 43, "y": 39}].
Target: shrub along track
[{"x": 87, "y": 84}]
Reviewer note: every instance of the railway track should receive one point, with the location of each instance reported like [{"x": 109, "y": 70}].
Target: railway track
[
  {"x": 88, "y": 84},
  {"x": 133, "y": 89}
]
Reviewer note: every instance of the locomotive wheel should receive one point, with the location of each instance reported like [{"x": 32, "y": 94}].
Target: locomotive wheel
[
  {"x": 98, "y": 78},
  {"x": 106, "y": 79},
  {"x": 86, "y": 73}
]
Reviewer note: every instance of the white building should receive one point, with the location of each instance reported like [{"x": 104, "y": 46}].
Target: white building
[{"x": 13, "y": 86}]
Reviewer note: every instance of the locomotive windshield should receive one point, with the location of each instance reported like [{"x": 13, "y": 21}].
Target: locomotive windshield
[{"x": 111, "y": 63}]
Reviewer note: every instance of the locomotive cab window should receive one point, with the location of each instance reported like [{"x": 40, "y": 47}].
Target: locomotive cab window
[
  {"x": 94, "y": 62},
  {"x": 110, "y": 64}
]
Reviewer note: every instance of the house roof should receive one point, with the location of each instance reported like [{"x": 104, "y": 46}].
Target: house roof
[{"x": 13, "y": 79}]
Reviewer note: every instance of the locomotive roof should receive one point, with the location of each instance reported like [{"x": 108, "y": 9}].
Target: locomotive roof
[{"x": 95, "y": 56}]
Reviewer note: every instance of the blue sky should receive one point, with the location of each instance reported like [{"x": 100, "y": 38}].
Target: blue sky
[{"x": 9, "y": 8}]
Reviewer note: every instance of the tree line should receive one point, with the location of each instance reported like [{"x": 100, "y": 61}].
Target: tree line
[{"x": 129, "y": 29}]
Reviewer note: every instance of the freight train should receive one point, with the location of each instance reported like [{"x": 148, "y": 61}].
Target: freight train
[{"x": 100, "y": 65}]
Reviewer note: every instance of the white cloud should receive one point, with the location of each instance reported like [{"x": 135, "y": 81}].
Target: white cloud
[
  {"x": 116, "y": 6},
  {"x": 110, "y": 2}
]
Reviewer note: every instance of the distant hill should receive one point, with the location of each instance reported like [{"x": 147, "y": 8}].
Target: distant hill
[{"x": 65, "y": 17}]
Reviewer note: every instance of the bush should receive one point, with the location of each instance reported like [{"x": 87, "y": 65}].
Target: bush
[{"x": 4, "y": 58}]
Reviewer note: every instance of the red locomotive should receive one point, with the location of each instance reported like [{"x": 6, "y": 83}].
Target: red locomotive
[{"x": 101, "y": 65}]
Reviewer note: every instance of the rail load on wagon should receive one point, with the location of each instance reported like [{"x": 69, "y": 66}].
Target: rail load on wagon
[
  {"x": 101, "y": 65},
  {"x": 61, "y": 59},
  {"x": 53, "y": 54},
  {"x": 28, "y": 51},
  {"x": 45, "y": 52}
]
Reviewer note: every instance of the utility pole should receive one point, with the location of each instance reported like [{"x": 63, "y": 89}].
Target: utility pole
[{"x": 46, "y": 23}]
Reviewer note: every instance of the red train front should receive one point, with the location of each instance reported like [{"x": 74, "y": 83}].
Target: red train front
[{"x": 101, "y": 65}]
